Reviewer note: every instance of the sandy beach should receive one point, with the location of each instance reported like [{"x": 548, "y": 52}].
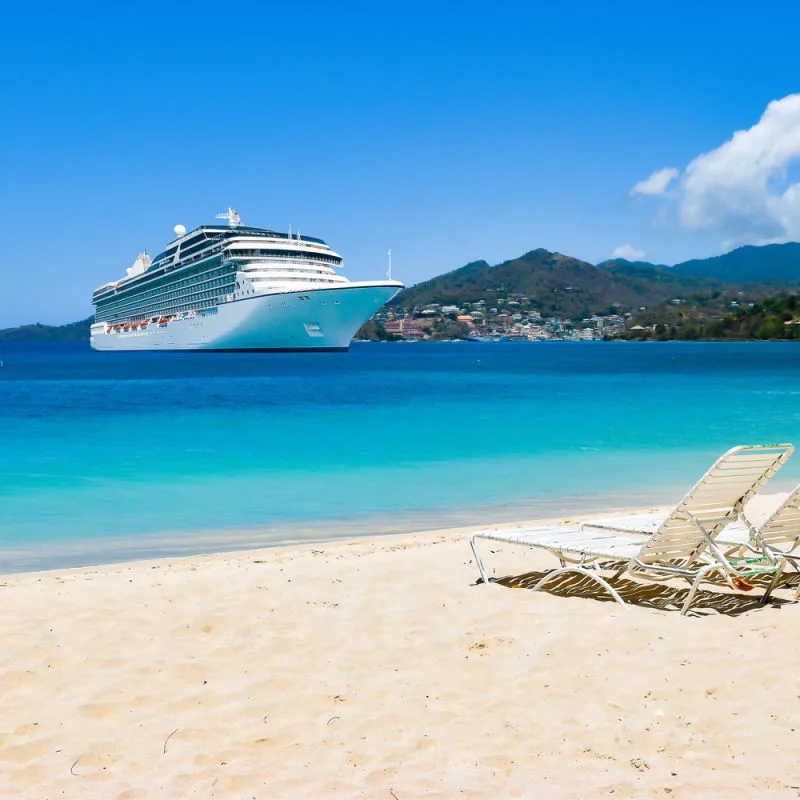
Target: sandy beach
[{"x": 377, "y": 668}]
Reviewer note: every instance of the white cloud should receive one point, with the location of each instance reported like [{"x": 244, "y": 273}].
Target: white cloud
[
  {"x": 657, "y": 183},
  {"x": 741, "y": 188},
  {"x": 629, "y": 253}
]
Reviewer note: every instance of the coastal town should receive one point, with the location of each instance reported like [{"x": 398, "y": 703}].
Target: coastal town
[{"x": 510, "y": 318}]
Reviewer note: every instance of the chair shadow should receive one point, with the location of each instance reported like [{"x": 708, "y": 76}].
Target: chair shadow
[{"x": 659, "y": 596}]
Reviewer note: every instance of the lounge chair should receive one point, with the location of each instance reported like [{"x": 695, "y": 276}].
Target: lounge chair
[
  {"x": 778, "y": 536},
  {"x": 682, "y": 545},
  {"x": 780, "y": 533}
]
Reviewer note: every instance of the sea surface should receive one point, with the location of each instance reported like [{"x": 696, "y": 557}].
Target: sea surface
[{"x": 109, "y": 456}]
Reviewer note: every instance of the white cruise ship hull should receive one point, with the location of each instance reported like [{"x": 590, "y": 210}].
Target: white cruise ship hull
[{"x": 308, "y": 319}]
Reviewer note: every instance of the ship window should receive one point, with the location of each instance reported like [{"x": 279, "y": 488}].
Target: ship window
[{"x": 194, "y": 246}]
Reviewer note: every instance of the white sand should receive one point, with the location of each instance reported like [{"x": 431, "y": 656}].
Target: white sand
[{"x": 377, "y": 668}]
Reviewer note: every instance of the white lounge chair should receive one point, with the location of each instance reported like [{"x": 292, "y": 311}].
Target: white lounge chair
[
  {"x": 682, "y": 545},
  {"x": 778, "y": 535}
]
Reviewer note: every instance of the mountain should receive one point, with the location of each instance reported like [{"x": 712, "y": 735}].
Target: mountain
[
  {"x": 672, "y": 283},
  {"x": 770, "y": 262},
  {"x": 750, "y": 264},
  {"x": 73, "y": 332},
  {"x": 556, "y": 285},
  {"x": 559, "y": 285},
  {"x": 616, "y": 264}
]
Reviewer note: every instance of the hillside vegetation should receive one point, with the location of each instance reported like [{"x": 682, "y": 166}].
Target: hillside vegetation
[
  {"x": 771, "y": 262},
  {"x": 691, "y": 297},
  {"x": 72, "y": 332},
  {"x": 775, "y": 317},
  {"x": 555, "y": 284}
]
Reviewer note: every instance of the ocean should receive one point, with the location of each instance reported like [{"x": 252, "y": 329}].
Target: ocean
[{"x": 112, "y": 456}]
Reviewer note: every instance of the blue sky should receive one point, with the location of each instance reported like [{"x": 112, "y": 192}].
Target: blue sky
[{"x": 446, "y": 133}]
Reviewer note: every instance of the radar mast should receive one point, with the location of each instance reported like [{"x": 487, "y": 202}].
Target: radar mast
[{"x": 234, "y": 220}]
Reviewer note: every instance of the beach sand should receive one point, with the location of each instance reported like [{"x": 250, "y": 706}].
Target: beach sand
[{"x": 377, "y": 668}]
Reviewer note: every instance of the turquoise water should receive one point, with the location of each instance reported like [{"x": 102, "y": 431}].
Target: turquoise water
[{"x": 107, "y": 456}]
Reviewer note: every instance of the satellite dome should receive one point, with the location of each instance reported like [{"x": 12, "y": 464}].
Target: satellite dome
[{"x": 179, "y": 230}]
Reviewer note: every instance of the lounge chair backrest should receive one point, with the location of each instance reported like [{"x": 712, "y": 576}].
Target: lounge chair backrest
[
  {"x": 782, "y": 529},
  {"x": 714, "y": 501}
]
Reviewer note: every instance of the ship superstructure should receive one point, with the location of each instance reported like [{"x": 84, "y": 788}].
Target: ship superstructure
[{"x": 235, "y": 287}]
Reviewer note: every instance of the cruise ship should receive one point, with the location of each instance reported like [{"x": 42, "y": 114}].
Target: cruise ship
[{"x": 235, "y": 287}]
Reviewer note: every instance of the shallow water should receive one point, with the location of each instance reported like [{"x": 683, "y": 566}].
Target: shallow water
[{"x": 113, "y": 455}]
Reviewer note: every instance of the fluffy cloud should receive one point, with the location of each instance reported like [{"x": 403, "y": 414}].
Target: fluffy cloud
[
  {"x": 657, "y": 183},
  {"x": 741, "y": 188},
  {"x": 628, "y": 252}
]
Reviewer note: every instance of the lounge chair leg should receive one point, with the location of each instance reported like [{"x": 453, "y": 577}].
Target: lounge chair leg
[
  {"x": 773, "y": 583},
  {"x": 695, "y": 584},
  {"x": 587, "y": 573},
  {"x": 792, "y": 559},
  {"x": 478, "y": 558},
  {"x": 691, "y": 595}
]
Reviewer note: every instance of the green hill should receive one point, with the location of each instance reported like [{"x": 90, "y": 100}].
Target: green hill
[
  {"x": 767, "y": 263},
  {"x": 73, "y": 332},
  {"x": 773, "y": 317},
  {"x": 559, "y": 285},
  {"x": 665, "y": 278},
  {"x": 556, "y": 285},
  {"x": 771, "y": 262}
]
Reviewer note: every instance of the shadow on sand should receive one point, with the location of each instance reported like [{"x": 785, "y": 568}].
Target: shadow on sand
[{"x": 660, "y": 596}]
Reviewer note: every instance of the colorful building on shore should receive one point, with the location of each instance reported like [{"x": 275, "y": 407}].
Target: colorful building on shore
[{"x": 407, "y": 328}]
